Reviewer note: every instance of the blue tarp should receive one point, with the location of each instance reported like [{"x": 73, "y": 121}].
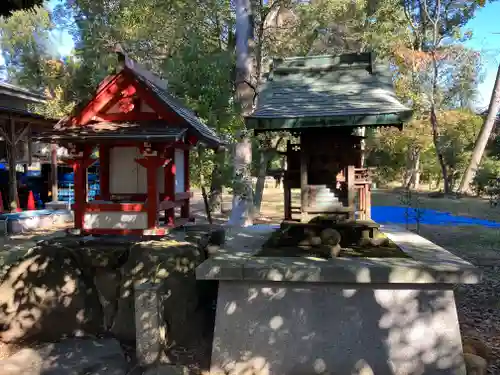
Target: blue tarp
[{"x": 396, "y": 215}]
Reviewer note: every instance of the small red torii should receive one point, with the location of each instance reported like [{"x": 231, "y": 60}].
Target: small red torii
[{"x": 143, "y": 136}]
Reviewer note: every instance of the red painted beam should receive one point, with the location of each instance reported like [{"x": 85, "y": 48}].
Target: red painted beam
[
  {"x": 115, "y": 207},
  {"x": 152, "y": 163},
  {"x": 107, "y": 93},
  {"x": 124, "y": 232},
  {"x": 150, "y": 99},
  {"x": 129, "y": 116}
]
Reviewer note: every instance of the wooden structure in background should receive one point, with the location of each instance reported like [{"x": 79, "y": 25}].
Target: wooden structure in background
[
  {"x": 322, "y": 100},
  {"x": 17, "y": 124},
  {"x": 142, "y": 136}
]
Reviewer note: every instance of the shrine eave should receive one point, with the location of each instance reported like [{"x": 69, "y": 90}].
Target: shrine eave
[
  {"x": 89, "y": 133},
  {"x": 25, "y": 115},
  {"x": 354, "y": 120}
]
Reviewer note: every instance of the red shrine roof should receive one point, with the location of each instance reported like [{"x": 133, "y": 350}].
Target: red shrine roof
[
  {"x": 106, "y": 131},
  {"x": 135, "y": 104}
]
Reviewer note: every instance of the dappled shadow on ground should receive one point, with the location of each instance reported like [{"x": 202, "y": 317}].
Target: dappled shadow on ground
[
  {"x": 275, "y": 328},
  {"x": 83, "y": 288}
]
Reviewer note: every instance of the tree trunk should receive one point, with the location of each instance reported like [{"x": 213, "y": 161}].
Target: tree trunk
[
  {"x": 440, "y": 157},
  {"x": 482, "y": 139},
  {"x": 261, "y": 179},
  {"x": 416, "y": 176},
  {"x": 241, "y": 213},
  {"x": 434, "y": 123},
  {"x": 412, "y": 178}
]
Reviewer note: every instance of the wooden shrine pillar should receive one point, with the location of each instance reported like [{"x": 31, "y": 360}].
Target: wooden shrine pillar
[
  {"x": 303, "y": 183},
  {"x": 351, "y": 190},
  {"x": 169, "y": 175},
  {"x": 152, "y": 163},
  {"x": 80, "y": 162},
  {"x": 104, "y": 165},
  {"x": 287, "y": 194},
  {"x": 53, "y": 173},
  {"x": 185, "y": 207},
  {"x": 368, "y": 202}
]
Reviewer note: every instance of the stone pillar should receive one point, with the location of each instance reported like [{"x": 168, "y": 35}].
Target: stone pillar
[
  {"x": 53, "y": 173},
  {"x": 149, "y": 323}
]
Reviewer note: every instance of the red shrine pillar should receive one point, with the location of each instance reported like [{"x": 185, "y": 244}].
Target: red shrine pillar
[
  {"x": 81, "y": 160},
  {"x": 185, "y": 206},
  {"x": 151, "y": 161},
  {"x": 104, "y": 162},
  {"x": 169, "y": 174}
]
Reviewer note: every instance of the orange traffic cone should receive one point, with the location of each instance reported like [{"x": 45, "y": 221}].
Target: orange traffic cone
[
  {"x": 1, "y": 203},
  {"x": 31, "y": 202}
]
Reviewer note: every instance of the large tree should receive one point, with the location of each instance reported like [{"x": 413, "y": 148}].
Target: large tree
[
  {"x": 434, "y": 63},
  {"x": 484, "y": 136}
]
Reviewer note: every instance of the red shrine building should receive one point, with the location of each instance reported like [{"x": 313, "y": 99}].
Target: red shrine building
[{"x": 141, "y": 136}]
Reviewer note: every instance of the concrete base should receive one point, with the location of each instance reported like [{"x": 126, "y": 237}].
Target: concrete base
[
  {"x": 297, "y": 328},
  {"x": 342, "y": 316},
  {"x": 58, "y": 205},
  {"x": 14, "y": 223}
]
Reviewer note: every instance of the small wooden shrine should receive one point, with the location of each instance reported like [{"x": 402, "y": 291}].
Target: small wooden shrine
[
  {"x": 323, "y": 101},
  {"x": 141, "y": 137}
]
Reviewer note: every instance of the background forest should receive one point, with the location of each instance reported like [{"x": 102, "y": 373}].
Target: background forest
[{"x": 191, "y": 43}]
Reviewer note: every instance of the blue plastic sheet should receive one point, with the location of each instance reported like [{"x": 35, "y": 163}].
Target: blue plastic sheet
[{"x": 396, "y": 215}]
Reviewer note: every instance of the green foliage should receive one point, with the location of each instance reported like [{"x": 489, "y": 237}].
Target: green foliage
[
  {"x": 486, "y": 177},
  {"x": 459, "y": 132},
  {"x": 191, "y": 44},
  {"x": 24, "y": 38},
  {"x": 388, "y": 149}
]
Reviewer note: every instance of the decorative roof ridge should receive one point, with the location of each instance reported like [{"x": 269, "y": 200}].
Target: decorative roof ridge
[
  {"x": 139, "y": 69},
  {"x": 319, "y": 63}
]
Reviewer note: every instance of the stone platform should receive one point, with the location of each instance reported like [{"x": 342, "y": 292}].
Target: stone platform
[
  {"x": 27, "y": 221},
  {"x": 283, "y": 316}
]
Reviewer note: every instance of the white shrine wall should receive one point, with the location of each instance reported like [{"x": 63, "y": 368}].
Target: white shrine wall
[
  {"x": 179, "y": 171},
  {"x": 115, "y": 220},
  {"x": 128, "y": 177}
]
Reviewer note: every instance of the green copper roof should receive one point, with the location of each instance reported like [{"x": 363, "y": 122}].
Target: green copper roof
[{"x": 326, "y": 91}]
